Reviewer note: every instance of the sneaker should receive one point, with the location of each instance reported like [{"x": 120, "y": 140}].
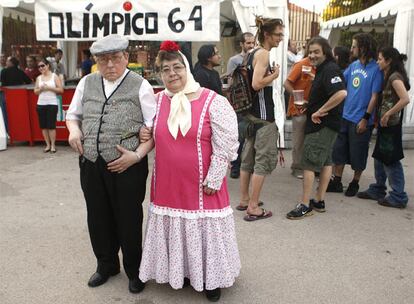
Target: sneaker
[
  {"x": 352, "y": 190},
  {"x": 386, "y": 203},
  {"x": 297, "y": 173},
  {"x": 367, "y": 195},
  {"x": 299, "y": 212},
  {"x": 334, "y": 186},
  {"x": 317, "y": 206},
  {"x": 213, "y": 295}
]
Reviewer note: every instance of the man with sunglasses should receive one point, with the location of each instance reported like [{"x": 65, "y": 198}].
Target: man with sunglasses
[{"x": 107, "y": 111}]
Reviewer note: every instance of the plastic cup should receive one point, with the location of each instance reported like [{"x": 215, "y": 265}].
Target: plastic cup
[
  {"x": 306, "y": 69},
  {"x": 298, "y": 98}
]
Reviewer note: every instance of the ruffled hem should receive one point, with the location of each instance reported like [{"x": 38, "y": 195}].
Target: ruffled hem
[
  {"x": 190, "y": 214},
  {"x": 204, "y": 250}
]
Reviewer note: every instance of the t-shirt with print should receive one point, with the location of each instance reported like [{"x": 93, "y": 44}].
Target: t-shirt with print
[
  {"x": 300, "y": 81},
  {"x": 361, "y": 82},
  {"x": 389, "y": 99},
  {"x": 328, "y": 80}
]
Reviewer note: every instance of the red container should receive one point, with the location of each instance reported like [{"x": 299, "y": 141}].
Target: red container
[{"x": 18, "y": 114}]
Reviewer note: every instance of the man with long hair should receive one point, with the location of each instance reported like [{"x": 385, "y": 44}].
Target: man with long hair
[
  {"x": 259, "y": 156},
  {"x": 322, "y": 127},
  {"x": 364, "y": 82}
]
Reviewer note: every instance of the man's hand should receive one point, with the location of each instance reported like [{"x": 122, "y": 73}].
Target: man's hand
[
  {"x": 362, "y": 126},
  {"x": 275, "y": 71},
  {"x": 75, "y": 140},
  {"x": 145, "y": 134},
  {"x": 316, "y": 117},
  {"x": 127, "y": 159}
]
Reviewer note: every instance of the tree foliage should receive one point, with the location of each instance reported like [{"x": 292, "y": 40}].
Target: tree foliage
[{"x": 340, "y": 8}]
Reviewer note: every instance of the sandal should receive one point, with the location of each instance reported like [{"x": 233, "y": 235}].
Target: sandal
[
  {"x": 45, "y": 150},
  {"x": 244, "y": 208},
  {"x": 251, "y": 217},
  {"x": 52, "y": 150}
]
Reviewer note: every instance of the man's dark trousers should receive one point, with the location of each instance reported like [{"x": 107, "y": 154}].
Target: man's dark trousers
[{"x": 114, "y": 206}]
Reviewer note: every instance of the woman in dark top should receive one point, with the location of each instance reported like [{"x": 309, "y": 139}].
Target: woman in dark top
[
  {"x": 204, "y": 72},
  {"x": 388, "y": 149}
]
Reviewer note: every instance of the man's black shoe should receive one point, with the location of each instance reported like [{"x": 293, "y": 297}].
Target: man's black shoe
[
  {"x": 186, "y": 282},
  {"x": 386, "y": 203},
  {"x": 317, "y": 206},
  {"x": 235, "y": 173},
  {"x": 213, "y": 295},
  {"x": 352, "y": 189},
  {"x": 136, "y": 285},
  {"x": 335, "y": 186},
  {"x": 299, "y": 212},
  {"x": 98, "y": 279}
]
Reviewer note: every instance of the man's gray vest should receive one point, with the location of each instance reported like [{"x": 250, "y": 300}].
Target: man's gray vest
[{"x": 113, "y": 120}]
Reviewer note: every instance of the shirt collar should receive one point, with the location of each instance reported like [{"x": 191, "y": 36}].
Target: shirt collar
[{"x": 117, "y": 81}]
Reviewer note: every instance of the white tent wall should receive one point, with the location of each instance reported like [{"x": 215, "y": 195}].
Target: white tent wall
[{"x": 397, "y": 16}]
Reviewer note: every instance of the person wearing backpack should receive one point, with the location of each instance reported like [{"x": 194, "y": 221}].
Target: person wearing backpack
[
  {"x": 247, "y": 43},
  {"x": 259, "y": 156}
]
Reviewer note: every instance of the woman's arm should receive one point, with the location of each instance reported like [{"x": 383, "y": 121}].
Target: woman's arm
[
  {"x": 404, "y": 100},
  {"x": 224, "y": 141},
  {"x": 37, "y": 90},
  {"x": 59, "y": 86}
]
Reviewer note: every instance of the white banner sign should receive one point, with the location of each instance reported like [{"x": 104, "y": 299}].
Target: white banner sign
[{"x": 183, "y": 20}]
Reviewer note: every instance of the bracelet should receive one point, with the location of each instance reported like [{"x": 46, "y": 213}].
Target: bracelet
[
  {"x": 367, "y": 116},
  {"x": 138, "y": 156}
]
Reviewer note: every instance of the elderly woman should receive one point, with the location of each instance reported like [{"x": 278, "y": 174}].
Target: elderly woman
[{"x": 190, "y": 237}]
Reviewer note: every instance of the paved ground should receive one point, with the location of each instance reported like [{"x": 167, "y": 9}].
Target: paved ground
[{"x": 357, "y": 252}]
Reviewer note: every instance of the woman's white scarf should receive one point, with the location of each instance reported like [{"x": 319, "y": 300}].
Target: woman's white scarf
[{"x": 180, "y": 111}]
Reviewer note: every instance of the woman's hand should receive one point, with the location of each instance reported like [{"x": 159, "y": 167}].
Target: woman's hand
[
  {"x": 127, "y": 159},
  {"x": 145, "y": 134},
  {"x": 384, "y": 120},
  {"x": 208, "y": 190}
]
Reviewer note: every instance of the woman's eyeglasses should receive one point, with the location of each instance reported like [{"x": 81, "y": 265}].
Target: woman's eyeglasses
[
  {"x": 41, "y": 66},
  {"x": 176, "y": 68}
]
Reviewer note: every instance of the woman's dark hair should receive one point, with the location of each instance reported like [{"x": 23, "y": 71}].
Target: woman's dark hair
[
  {"x": 266, "y": 25},
  {"x": 44, "y": 60},
  {"x": 87, "y": 53},
  {"x": 367, "y": 46},
  {"x": 343, "y": 55},
  {"x": 326, "y": 48},
  {"x": 396, "y": 64},
  {"x": 167, "y": 56},
  {"x": 205, "y": 52},
  {"x": 14, "y": 61}
]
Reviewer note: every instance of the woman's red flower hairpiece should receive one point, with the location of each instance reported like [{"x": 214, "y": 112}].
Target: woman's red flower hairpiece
[{"x": 169, "y": 46}]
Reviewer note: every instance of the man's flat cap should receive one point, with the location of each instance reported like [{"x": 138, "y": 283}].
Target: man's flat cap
[{"x": 109, "y": 44}]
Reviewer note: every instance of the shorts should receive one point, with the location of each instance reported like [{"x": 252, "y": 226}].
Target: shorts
[
  {"x": 317, "y": 149},
  {"x": 259, "y": 154},
  {"x": 47, "y": 116},
  {"x": 350, "y": 147}
]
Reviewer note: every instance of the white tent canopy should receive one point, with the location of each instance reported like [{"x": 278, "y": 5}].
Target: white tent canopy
[{"x": 394, "y": 15}]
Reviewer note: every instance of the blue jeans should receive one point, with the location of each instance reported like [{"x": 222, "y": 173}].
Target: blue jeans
[{"x": 395, "y": 175}]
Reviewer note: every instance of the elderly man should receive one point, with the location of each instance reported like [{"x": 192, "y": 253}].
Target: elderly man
[{"x": 104, "y": 118}]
